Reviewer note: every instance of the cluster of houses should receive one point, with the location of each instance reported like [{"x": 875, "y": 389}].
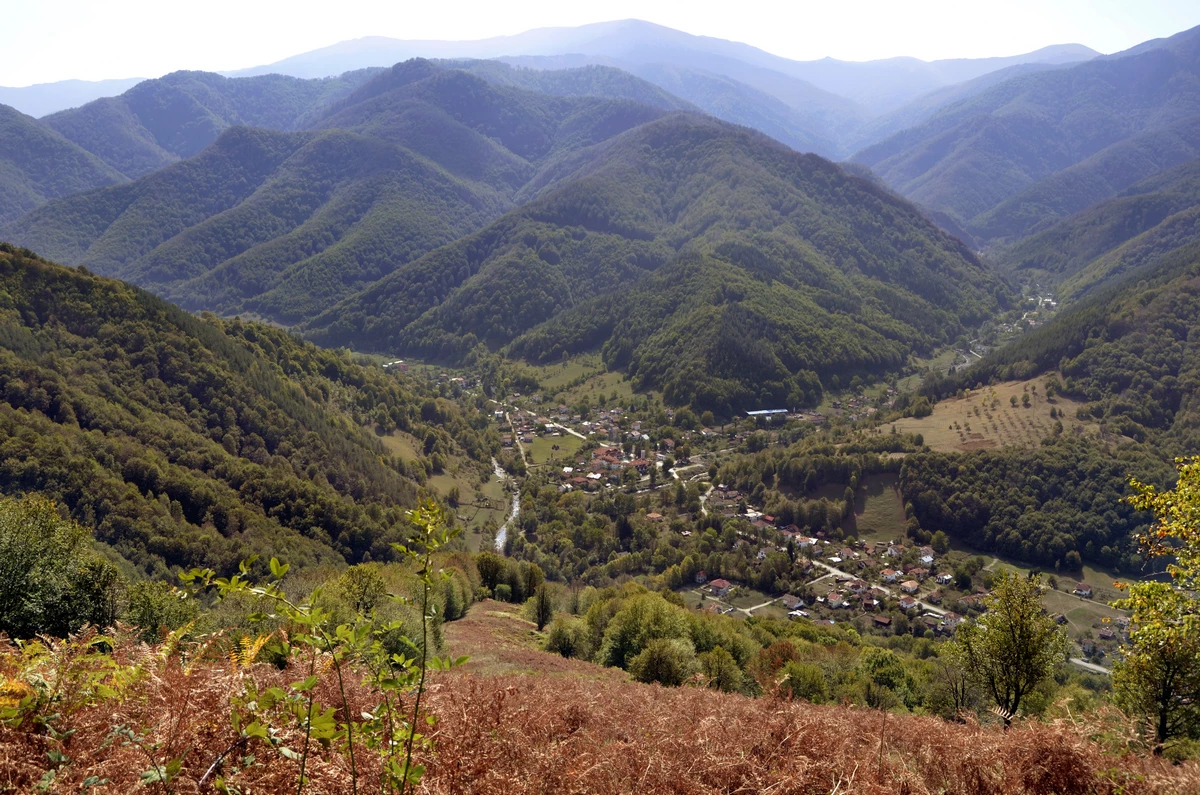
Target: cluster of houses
[{"x": 607, "y": 465}]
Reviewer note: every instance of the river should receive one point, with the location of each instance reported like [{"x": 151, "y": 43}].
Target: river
[{"x": 502, "y": 533}]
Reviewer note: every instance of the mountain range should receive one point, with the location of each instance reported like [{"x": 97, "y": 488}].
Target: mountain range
[
  {"x": 466, "y": 210},
  {"x": 1014, "y": 157},
  {"x": 724, "y": 291},
  {"x": 433, "y": 206},
  {"x": 877, "y": 85},
  {"x": 284, "y": 224},
  {"x": 823, "y": 106}
]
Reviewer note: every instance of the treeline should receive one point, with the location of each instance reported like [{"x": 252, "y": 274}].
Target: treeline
[
  {"x": 190, "y": 441},
  {"x": 656, "y": 639},
  {"x": 782, "y": 480},
  {"x": 53, "y": 582}
]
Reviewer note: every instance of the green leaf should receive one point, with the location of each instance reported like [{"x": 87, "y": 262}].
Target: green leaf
[
  {"x": 307, "y": 684},
  {"x": 256, "y": 729},
  {"x": 154, "y": 775}
]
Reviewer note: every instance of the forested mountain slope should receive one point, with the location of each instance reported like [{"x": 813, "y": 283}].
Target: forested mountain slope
[
  {"x": 285, "y": 224},
  {"x": 191, "y": 441},
  {"x": 786, "y": 108},
  {"x": 276, "y": 223},
  {"x": 580, "y": 79},
  {"x": 37, "y": 164},
  {"x": 1093, "y": 247},
  {"x": 160, "y": 121},
  {"x": 1130, "y": 349},
  {"x": 1131, "y": 353},
  {"x": 880, "y": 84},
  {"x": 1116, "y": 120},
  {"x": 692, "y": 251}
]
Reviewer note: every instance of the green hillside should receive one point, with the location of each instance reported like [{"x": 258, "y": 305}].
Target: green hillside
[
  {"x": 37, "y": 164},
  {"x": 284, "y": 224},
  {"x": 1113, "y": 237},
  {"x": 592, "y": 80},
  {"x": 1115, "y": 120},
  {"x": 688, "y": 247},
  {"x": 160, "y": 121},
  {"x": 1131, "y": 350},
  {"x": 190, "y": 441}
]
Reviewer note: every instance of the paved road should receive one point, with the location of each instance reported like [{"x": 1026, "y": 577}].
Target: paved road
[
  {"x": 548, "y": 424},
  {"x": 839, "y": 573},
  {"x": 750, "y": 610},
  {"x": 565, "y": 428},
  {"x": 1087, "y": 666}
]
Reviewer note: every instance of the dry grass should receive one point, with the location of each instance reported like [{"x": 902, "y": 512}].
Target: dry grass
[
  {"x": 531, "y": 735},
  {"x": 499, "y": 641},
  {"x": 184, "y": 711},
  {"x": 570, "y": 733},
  {"x": 955, "y": 426}
]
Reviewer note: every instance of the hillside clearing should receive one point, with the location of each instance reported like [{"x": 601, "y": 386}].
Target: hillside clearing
[{"x": 986, "y": 418}]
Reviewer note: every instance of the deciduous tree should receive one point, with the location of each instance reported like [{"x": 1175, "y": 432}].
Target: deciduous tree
[{"x": 1014, "y": 646}]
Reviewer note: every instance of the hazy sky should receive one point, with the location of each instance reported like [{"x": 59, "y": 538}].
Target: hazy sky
[{"x": 48, "y": 40}]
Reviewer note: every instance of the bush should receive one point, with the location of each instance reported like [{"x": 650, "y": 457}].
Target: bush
[
  {"x": 504, "y": 592},
  {"x": 50, "y": 580},
  {"x": 155, "y": 608},
  {"x": 806, "y": 681},
  {"x": 666, "y": 661},
  {"x": 568, "y": 637}
]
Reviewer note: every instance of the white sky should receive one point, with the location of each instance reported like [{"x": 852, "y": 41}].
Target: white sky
[{"x": 48, "y": 40}]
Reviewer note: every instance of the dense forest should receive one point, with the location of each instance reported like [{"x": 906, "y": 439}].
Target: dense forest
[
  {"x": 193, "y": 441},
  {"x": 37, "y": 165},
  {"x": 1101, "y": 244},
  {"x": 284, "y": 224},
  {"x": 1057, "y": 506},
  {"x": 643, "y": 246},
  {"x": 158, "y": 122},
  {"x": 1011, "y": 159}
]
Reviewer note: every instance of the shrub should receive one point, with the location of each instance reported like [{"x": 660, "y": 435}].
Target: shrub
[{"x": 667, "y": 661}]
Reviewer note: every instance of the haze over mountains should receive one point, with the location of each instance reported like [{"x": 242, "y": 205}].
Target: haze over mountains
[
  {"x": 818, "y": 106},
  {"x": 1037, "y": 147},
  {"x": 540, "y": 203}
]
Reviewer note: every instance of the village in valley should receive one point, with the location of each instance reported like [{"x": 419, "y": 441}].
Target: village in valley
[{"x": 880, "y": 583}]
